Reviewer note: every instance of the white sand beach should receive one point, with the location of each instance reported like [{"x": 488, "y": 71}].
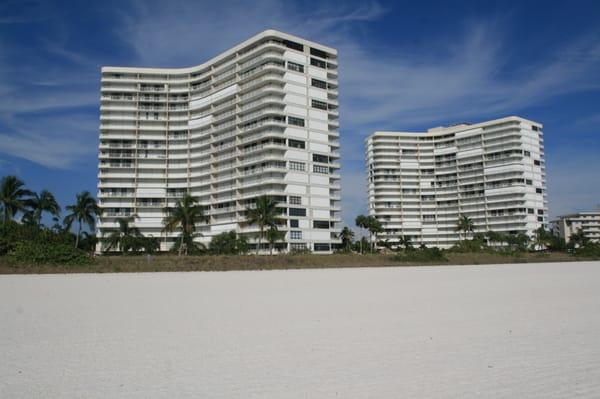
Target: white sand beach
[{"x": 506, "y": 331}]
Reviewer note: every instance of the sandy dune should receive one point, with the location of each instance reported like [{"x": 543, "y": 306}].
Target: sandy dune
[{"x": 513, "y": 331}]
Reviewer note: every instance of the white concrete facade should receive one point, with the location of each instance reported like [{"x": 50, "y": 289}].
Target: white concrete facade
[
  {"x": 261, "y": 118},
  {"x": 419, "y": 184},
  {"x": 587, "y": 222}
]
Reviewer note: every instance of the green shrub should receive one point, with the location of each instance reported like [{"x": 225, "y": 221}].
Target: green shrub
[
  {"x": 590, "y": 250},
  {"x": 12, "y": 233},
  {"x": 421, "y": 254},
  {"x": 228, "y": 243},
  {"x": 40, "y": 253}
]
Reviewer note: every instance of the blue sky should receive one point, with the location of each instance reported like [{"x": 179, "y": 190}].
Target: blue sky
[{"x": 403, "y": 66}]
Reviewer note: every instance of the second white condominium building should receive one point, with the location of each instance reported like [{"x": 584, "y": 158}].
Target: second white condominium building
[
  {"x": 259, "y": 119},
  {"x": 419, "y": 184}
]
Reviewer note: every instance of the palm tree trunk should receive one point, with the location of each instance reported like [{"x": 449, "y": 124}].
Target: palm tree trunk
[
  {"x": 78, "y": 234},
  {"x": 259, "y": 240}
]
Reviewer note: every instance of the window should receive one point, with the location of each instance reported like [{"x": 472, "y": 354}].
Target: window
[
  {"x": 297, "y": 165},
  {"x": 318, "y": 63},
  {"x": 428, "y": 217},
  {"x": 318, "y": 53},
  {"x": 295, "y": 67},
  {"x": 527, "y": 153},
  {"x": 528, "y": 182},
  {"x": 540, "y": 219},
  {"x": 320, "y": 169},
  {"x": 295, "y": 235},
  {"x": 293, "y": 45},
  {"x": 320, "y": 158},
  {"x": 294, "y": 223},
  {"x": 536, "y": 162},
  {"x": 538, "y": 190},
  {"x": 294, "y": 200},
  {"x": 298, "y": 246},
  {"x": 535, "y": 128},
  {"x": 295, "y": 121},
  {"x": 297, "y": 212},
  {"x": 540, "y": 211},
  {"x": 530, "y": 211},
  {"x": 321, "y": 224},
  {"x": 296, "y": 143},
  {"x": 319, "y": 104},
  {"x": 322, "y": 247},
  {"x": 318, "y": 83}
]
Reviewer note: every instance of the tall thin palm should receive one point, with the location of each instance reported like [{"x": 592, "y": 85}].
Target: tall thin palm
[
  {"x": 118, "y": 238},
  {"x": 264, "y": 214},
  {"x": 464, "y": 224},
  {"x": 374, "y": 226},
  {"x": 84, "y": 211},
  {"x": 40, "y": 203},
  {"x": 185, "y": 215},
  {"x": 362, "y": 222},
  {"x": 347, "y": 236},
  {"x": 12, "y": 197}
]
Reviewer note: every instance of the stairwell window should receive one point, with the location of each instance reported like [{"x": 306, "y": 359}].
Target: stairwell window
[
  {"x": 295, "y": 67},
  {"x": 295, "y": 200},
  {"x": 320, "y": 169},
  {"x": 295, "y": 121},
  {"x": 297, "y": 166},
  {"x": 295, "y": 235}
]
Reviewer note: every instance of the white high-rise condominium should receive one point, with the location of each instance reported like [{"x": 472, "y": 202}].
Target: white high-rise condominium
[
  {"x": 419, "y": 184},
  {"x": 259, "y": 119}
]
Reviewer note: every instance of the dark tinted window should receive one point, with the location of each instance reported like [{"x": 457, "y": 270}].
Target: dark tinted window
[
  {"x": 293, "y": 45},
  {"x": 318, "y": 53},
  {"x": 297, "y": 212}
]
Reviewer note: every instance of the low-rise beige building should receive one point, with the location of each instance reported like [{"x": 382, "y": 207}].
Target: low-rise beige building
[{"x": 587, "y": 222}]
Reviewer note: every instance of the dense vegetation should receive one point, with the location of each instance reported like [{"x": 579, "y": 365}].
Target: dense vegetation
[{"x": 25, "y": 240}]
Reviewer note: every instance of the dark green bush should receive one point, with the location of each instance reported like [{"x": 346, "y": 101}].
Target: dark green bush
[
  {"x": 37, "y": 253},
  {"x": 12, "y": 233},
  {"x": 590, "y": 250},
  {"x": 228, "y": 243},
  {"x": 421, "y": 254}
]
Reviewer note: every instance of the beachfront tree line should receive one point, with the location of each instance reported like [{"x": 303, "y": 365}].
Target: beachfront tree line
[
  {"x": 469, "y": 241},
  {"x": 67, "y": 241},
  {"x": 182, "y": 219}
]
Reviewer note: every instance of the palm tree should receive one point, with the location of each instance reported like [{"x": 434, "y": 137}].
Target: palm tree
[
  {"x": 405, "y": 241},
  {"x": 84, "y": 211},
  {"x": 264, "y": 213},
  {"x": 42, "y": 202},
  {"x": 274, "y": 235},
  {"x": 185, "y": 215},
  {"x": 374, "y": 226},
  {"x": 12, "y": 196},
  {"x": 119, "y": 238},
  {"x": 464, "y": 224},
  {"x": 541, "y": 239},
  {"x": 347, "y": 236},
  {"x": 361, "y": 222}
]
